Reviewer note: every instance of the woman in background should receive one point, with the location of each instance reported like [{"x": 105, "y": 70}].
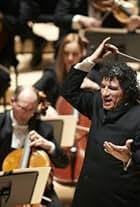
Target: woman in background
[{"x": 71, "y": 50}]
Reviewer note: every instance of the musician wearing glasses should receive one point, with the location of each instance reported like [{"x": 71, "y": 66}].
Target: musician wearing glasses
[{"x": 20, "y": 123}]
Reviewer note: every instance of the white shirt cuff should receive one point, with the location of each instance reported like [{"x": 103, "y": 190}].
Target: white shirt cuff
[
  {"x": 126, "y": 165},
  {"x": 52, "y": 148},
  {"x": 86, "y": 65},
  {"x": 75, "y": 22}
]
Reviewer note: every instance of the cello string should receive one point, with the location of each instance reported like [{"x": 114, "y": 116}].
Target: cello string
[
  {"x": 128, "y": 56},
  {"x": 26, "y": 153}
]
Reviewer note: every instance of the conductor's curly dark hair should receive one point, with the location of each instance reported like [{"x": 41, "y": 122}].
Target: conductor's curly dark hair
[{"x": 126, "y": 76}]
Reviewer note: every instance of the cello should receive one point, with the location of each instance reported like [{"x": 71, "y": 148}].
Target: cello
[
  {"x": 27, "y": 157},
  {"x": 23, "y": 158},
  {"x": 70, "y": 174}
]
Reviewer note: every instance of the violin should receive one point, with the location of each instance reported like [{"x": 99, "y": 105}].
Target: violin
[{"x": 121, "y": 9}]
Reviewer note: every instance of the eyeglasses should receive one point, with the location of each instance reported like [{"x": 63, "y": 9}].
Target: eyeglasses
[{"x": 30, "y": 109}]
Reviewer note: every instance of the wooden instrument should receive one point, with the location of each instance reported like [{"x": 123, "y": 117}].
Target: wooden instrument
[
  {"x": 22, "y": 158},
  {"x": 76, "y": 152},
  {"x": 12, "y": 161},
  {"x": 121, "y": 9}
]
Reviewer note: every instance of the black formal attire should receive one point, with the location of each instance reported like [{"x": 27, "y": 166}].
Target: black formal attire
[
  {"x": 38, "y": 11},
  {"x": 45, "y": 10},
  {"x": 14, "y": 18},
  {"x": 10, "y": 12},
  {"x": 4, "y": 80},
  {"x": 103, "y": 180},
  {"x": 48, "y": 83},
  {"x": 58, "y": 158},
  {"x": 94, "y": 73}
]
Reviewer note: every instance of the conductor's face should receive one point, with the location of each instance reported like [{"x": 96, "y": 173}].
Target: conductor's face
[{"x": 112, "y": 94}]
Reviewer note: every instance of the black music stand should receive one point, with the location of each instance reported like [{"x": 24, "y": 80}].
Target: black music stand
[
  {"x": 18, "y": 187},
  {"x": 58, "y": 125},
  {"x": 64, "y": 128},
  {"x": 127, "y": 42}
]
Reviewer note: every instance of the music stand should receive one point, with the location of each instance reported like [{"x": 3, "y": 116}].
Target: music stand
[
  {"x": 19, "y": 186},
  {"x": 58, "y": 125},
  {"x": 64, "y": 128},
  {"x": 127, "y": 42}
]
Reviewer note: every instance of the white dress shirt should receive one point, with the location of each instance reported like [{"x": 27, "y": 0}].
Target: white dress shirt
[{"x": 20, "y": 133}]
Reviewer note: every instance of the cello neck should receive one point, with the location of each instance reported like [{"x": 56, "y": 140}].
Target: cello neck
[{"x": 26, "y": 154}]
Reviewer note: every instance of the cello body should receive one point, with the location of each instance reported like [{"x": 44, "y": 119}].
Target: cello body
[
  {"x": 20, "y": 157},
  {"x": 76, "y": 153},
  {"x": 12, "y": 161}
]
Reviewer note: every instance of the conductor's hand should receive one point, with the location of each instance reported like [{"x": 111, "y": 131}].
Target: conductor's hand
[
  {"x": 103, "y": 50},
  {"x": 122, "y": 153}
]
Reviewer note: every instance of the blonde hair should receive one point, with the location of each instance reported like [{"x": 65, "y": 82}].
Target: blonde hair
[{"x": 60, "y": 66}]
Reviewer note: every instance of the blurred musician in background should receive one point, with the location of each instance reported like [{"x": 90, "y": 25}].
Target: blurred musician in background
[
  {"x": 37, "y": 11},
  {"x": 78, "y": 14},
  {"x": 9, "y": 20}
]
